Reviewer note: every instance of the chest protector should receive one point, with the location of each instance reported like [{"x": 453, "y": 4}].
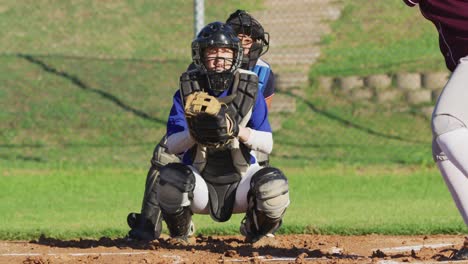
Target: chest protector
[{"x": 223, "y": 168}]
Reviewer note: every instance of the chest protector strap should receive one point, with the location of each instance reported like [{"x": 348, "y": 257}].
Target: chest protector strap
[
  {"x": 222, "y": 169},
  {"x": 245, "y": 88},
  {"x": 189, "y": 83},
  {"x": 243, "y": 91}
]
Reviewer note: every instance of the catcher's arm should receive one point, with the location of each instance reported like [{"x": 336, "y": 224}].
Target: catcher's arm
[
  {"x": 244, "y": 134},
  {"x": 258, "y": 136},
  {"x": 178, "y": 136},
  {"x": 179, "y": 142},
  {"x": 259, "y": 140}
]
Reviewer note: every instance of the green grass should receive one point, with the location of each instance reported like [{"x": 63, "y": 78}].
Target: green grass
[
  {"x": 379, "y": 37},
  {"x": 71, "y": 203},
  {"x": 116, "y": 29},
  {"x": 85, "y": 93},
  {"x": 82, "y": 112},
  {"x": 352, "y": 200},
  {"x": 75, "y": 146},
  {"x": 74, "y": 112},
  {"x": 333, "y": 130}
]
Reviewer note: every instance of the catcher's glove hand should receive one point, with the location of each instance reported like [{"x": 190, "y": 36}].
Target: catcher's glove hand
[{"x": 208, "y": 120}]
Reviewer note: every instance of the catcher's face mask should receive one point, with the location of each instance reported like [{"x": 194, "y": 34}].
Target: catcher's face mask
[
  {"x": 255, "y": 41},
  {"x": 218, "y": 59},
  {"x": 219, "y": 63},
  {"x": 217, "y": 52}
]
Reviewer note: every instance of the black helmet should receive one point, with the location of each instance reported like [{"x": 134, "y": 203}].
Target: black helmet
[
  {"x": 243, "y": 23},
  {"x": 217, "y": 35}
]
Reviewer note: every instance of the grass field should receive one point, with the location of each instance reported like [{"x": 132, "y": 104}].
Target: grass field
[
  {"x": 84, "y": 101},
  {"x": 94, "y": 202},
  {"x": 107, "y": 29},
  {"x": 379, "y": 37}
]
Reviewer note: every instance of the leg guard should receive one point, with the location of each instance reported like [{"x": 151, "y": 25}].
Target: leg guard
[
  {"x": 262, "y": 159},
  {"x": 160, "y": 156},
  {"x": 179, "y": 224},
  {"x": 268, "y": 199},
  {"x": 148, "y": 224},
  {"x": 175, "y": 188},
  {"x": 175, "y": 192}
]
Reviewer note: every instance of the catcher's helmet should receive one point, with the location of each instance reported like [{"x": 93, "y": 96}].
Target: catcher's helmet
[
  {"x": 217, "y": 35},
  {"x": 243, "y": 23}
]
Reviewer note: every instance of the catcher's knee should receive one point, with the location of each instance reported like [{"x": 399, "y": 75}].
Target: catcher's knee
[
  {"x": 270, "y": 191},
  {"x": 445, "y": 123},
  {"x": 160, "y": 155},
  {"x": 175, "y": 188}
]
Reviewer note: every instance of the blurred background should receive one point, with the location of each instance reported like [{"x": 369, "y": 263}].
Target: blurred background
[
  {"x": 86, "y": 87},
  {"x": 94, "y": 73}
]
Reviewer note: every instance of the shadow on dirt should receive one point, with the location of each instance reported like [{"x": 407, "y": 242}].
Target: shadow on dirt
[
  {"x": 234, "y": 247},
  {"x": 102, "y": 242},
  {"x": 283, "y": 248},
  {"x": 227, "y": 247}
]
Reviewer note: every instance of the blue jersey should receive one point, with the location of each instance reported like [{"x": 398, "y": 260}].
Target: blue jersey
[
  {"x": 266, "y": 78},
  {"x": 176, "y": 122}
]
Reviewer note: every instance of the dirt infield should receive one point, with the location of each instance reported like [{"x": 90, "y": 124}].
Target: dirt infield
[{"x": 232, "y": 249}]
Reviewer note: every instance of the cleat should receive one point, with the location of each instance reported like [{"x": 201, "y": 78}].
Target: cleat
[
  {"x": 251, "y": 236},
  {"x": 192, "y": 229},
  {"x": 142, "y": 231},
  {"x": 179, "y": 241},
  {"x": 461, "y": 254},
  {"x": 132, "y": 219}
]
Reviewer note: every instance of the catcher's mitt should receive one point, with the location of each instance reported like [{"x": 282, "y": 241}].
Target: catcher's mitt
[{"x": 208, "y": 120}]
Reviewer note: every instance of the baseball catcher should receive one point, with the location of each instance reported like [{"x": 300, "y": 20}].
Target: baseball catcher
[
  {"x": 147, "y": 224},
  {"x": 217, "y": 120}
]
